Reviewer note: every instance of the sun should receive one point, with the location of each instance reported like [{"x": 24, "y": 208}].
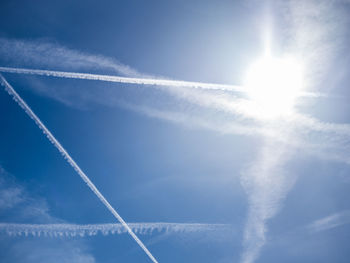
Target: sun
[{"x": 274, "y": 84}]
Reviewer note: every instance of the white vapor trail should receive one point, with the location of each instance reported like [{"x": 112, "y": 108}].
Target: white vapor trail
[
  {"x": 73, "y": 230},
  {"x": 70, "y": 160},
  {"x": 118, "y": 79}
]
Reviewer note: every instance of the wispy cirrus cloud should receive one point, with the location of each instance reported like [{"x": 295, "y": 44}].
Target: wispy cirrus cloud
[
  {"x": 325, "y": 141},
  {"x": 329, "y": 222},
  {"x": 27, "y": 208},
  {"x": 15, "y": 201},
  {"x": 10, "y": 197},
  {"x": 44, "y": 53}
]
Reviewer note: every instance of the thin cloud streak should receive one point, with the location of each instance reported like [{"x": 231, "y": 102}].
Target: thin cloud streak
[
  {"x": 248, "y": 109},
  {"x": 334, "y": 150},
  {"x": 73, "y": 230},
  {"x": 70, "y": 160},
  {"x": 118, "y": 79},
  {"x": 44, "y": 53},
  {"x": 329, "y": 222}
]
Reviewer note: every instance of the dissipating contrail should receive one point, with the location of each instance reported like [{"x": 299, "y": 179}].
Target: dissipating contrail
[
  {"x": 74, "y": 230},
  {"x": 11, "y": 91}
]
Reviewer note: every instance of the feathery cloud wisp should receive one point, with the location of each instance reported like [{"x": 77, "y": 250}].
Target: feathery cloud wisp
[{"x": 44, "y": 53}]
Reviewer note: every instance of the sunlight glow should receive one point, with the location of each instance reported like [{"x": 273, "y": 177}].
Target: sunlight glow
[{"x": 273, "y": 85}]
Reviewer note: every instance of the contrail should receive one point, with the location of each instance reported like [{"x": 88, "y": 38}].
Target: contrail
[
  {"x": 110, "y": 78},
  {"x": 73, "y": 230},
  {"x": 70, "y": 160},
  {"x": 140, "y": 81}
]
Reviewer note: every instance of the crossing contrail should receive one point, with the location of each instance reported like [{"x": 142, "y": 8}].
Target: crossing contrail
[
  {"x": 10, "y": 90},
  {"x": 74, "y": 230},
  {"x": 110, "y": 78}
]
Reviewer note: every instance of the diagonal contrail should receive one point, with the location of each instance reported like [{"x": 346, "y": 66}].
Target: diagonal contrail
[
  {"x": 70, "y": 160},
  {"x": 109, "y": 78}
]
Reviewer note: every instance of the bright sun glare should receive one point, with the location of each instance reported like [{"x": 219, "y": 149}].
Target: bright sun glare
[{"x": 273, "y": 85}]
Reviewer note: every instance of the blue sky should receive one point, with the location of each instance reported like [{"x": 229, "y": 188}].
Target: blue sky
[{"x": 204, "y": 175}]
